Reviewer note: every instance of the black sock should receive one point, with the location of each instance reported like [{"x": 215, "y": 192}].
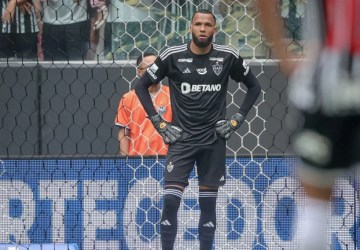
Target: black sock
[
  {"x": 168, "y": 222},
  {"x": 207, "y": 222}
]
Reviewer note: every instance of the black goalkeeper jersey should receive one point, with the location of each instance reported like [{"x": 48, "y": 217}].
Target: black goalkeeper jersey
[{"x": 198, "y": 87}]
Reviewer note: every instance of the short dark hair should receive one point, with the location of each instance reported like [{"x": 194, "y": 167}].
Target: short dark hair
[
  {"x": 139, "y": 60},
  {"x": 204, "y": 11}
]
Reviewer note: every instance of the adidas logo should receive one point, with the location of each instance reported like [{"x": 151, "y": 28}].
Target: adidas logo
[
  {"x": 186, "y": 71},
  {"x": 166, "y": 223},
  {"x": 222, "y": 178},
  {"x": 209, "y": 224}
]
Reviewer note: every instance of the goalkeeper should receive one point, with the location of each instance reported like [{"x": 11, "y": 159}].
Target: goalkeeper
[{"x": 198, "y": 74}]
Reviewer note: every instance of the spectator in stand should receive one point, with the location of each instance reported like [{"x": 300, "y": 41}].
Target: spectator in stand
[
  {"x": 137, "y": 136},
  {"x": 99, "y": 12},
  {"x": 19, "y": 28},
  {"x": 66, "y": 29}
]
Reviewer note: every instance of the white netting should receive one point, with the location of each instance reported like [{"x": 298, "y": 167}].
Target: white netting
[
  {"x": 63, "y": 111},
  {"x": 3, "y": 216},
  {"x": 137, "y": 26}
]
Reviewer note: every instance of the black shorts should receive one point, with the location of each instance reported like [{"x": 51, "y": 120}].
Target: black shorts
[
  {"x": 209, "y": 159},
  {"x": 66, "y": 41},
  {"x": 329, "y": 142},
  {"x": 20, "y": 45}
]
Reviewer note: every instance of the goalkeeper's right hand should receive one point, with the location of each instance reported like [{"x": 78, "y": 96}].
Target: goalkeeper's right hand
[{"x": 169, "y": 133}]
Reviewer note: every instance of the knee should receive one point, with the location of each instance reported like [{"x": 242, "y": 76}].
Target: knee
[
  {"x": 171, "y": 202},
  {"x": 172, "y": 198}
]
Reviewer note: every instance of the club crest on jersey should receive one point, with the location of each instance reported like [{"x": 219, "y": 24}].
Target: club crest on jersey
[
  {"x": 201, "y": 71},
  {"x": 170, "y": 167},
  {"x": 217, "y": 68}
]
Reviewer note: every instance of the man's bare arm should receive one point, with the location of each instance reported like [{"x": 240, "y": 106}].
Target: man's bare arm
[
  {"x": 123, "y": 141},
  {"x": 273, "y": 27},
  {"x": 9, "y": 13}
]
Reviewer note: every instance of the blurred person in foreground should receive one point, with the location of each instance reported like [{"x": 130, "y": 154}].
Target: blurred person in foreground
[
  {"x": 137, "y": 136},
  {"x": 198, "y": 74},
  {"x": 20, "y": 21},
  {"x": 325, "y": 90}
]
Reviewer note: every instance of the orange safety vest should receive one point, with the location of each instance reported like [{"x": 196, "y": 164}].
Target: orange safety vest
[{"x": 144, "y": 139}]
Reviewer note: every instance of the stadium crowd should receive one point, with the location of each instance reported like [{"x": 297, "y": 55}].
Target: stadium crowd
[
  {"x": 51, "y": 30},
  {"x": 110, "y": 29}
]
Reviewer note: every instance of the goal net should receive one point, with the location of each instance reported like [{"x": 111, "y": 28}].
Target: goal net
[{"x": 64, "y": 182}]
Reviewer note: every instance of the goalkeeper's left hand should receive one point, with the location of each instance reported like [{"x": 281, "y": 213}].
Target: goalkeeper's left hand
[{"x": 226, "y": 127}]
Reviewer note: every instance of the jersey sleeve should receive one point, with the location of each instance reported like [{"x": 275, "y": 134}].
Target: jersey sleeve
[
  {"x": 154, "y": 73},
  {"x": 122, "y": 118},
  {"x": 241, "y": 72},
  {"x": 239, "y": 69},
  {"x": 157, "y": 71}
]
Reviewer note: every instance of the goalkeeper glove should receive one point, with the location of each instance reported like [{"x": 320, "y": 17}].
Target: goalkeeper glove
[
  {"x": 169, "y": 133},
  {"x": 226, "y": 127}
]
